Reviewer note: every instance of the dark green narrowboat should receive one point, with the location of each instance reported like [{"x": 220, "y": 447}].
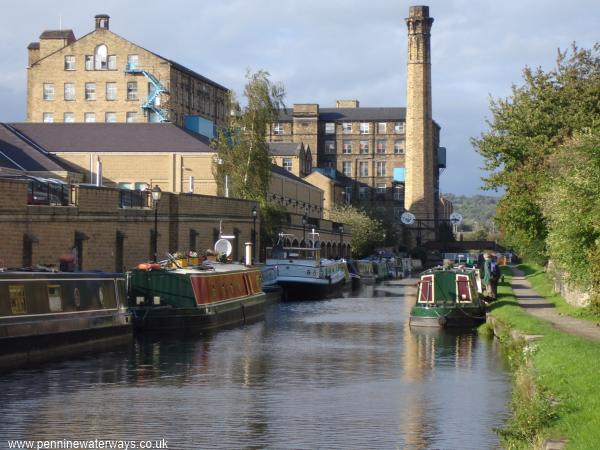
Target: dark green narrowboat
[{"x": 448, "y": 297}]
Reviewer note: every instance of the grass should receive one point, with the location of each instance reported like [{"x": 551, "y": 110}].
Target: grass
[
  {"x": 556, "y": 391},
  {"x": 544, "y": 285}
]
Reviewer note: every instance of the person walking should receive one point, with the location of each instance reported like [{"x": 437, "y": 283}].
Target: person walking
[{"x": 491, "y": 276}]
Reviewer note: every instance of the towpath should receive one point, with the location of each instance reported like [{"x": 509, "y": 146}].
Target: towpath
[{"x": 538, "y": 306}]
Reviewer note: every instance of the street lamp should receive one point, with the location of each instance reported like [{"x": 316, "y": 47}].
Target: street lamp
[
  {"x": 341, "y": 228},
  {"x": 220, "y": 163},
  {"x": 156, "y": 195},
  {"x": 254, "y": 215},
  {"x": 304, "y": 222}
]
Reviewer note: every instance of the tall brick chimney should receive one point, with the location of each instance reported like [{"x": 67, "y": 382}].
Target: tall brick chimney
[{"x": 419, "y": 197}]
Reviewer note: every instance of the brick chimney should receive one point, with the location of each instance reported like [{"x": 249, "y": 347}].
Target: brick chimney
[{"x": 102, "y": 21}]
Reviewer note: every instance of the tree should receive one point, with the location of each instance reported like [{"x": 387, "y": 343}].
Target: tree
[
  {"x": 367, "y": 232},
  {"x": 572, "y": 209},
  {"x": 242, "y": 149},
  {"x": 525, "y": 131}
]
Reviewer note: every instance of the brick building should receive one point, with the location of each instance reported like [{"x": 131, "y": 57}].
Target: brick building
[
  {"x": 387, "y": 158},
  {"x": 294, "y": 158},
  {"x": 103, "y": 77}
]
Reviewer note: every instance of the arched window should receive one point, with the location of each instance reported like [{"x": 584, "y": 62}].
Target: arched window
[{"x": 101, "y": 57}]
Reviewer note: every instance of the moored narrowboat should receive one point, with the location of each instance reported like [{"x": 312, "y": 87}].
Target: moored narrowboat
[
  {"x": 366, "y": 271},
  {"x": 448, "y": 297},
  {"x": 46, "y": 315},
  {"x": 196, "y": 298}
]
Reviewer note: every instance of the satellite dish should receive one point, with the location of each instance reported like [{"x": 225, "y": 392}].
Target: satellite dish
[
  {"x": 407, "y": 218},
  {"x": 223, "y": 246},
  {"x": 456, "y": 218}
]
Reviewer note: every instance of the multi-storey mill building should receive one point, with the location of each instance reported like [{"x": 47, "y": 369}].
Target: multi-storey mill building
[
  {"x": 103, "y": 77},
  {"x": 386, "y": 157}
]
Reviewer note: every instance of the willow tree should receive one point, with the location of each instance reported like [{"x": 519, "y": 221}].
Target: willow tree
[
  {"x": 524, "y": 132},
  {"x": 368, "y": 232},
  {"x": 242, "y": 150}
]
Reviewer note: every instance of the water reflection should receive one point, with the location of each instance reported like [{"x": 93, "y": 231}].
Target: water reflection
[{"x": 342, "y": 373}]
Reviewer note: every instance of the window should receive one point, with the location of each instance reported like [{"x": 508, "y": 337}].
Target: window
[
  {"x": 54, "y": 298},
  {"x": 347, "y": 147},
  {"x": 399, "y": 192},
  {"x": 131, "y": 117},
  {"x": 363, "y": 169},
  {"x": 132, "y": 61},
  {"x": 381, "y": 147},
  {"x": 90, "y": 91},
  {"x": 89, "y": 117},
  {"x": 278, "y": 129},
  {"x": 89, "y": 62},
  {"x": 287, "y": 164},
  {"x": 68, "y": 117},
  {"x": 69, "y": 62},
  {"x": 399, "y": 128},
  {"x": 111, "y": 91},
  {"x": 17, "y": 299},
  {"x": 363, "y": 193},
  {"x": 381, "y": 189},
  {"x": 69, "y": 91},
  {"x": 330, "y": 147},
  {"x": 348, "y": 194},
  {"x": 347, "y": 127},
  {"x": 48, "y": 91},
  {"x": 110, "y": 117},
  {"x": 380, "y": 168},
  {"x": 48, "y": 117},
  {"x": 347, "y": 168},
  {"x": 132, "y": 91},
  {"x": 399, "y": 147},
  {"x": 381, "y": 127},
  {"x": 364, "y": 128},
  {"x": 329, "y": 128},
  {"x": 364, "y": 147},
  {"x": 397, "y": 214},
  {"x": 112, "y": 62},
  {"x": 330, "y": 164},
  {"x": 100, "y": 57}
]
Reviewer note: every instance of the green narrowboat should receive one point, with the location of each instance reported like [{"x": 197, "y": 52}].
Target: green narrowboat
[
  {"x": 448, "y": 297},
  {"x": 197, "y": 298}
]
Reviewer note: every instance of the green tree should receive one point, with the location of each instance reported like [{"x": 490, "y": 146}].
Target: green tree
[
  {"x": 367, "y": 232},
  {"x": 242, "y": 149},
  {"x": 572, "y": 208},
  {"x": 524, "y": 132}
]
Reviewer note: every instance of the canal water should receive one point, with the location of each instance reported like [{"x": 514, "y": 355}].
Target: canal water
[{"x": 344, "y": 373}]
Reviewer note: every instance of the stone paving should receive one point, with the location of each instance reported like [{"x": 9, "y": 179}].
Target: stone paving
[{"x": 538, "y": 306}]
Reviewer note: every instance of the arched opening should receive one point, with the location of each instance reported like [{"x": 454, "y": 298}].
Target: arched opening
[
  {"x": 334, "y": 250},
  {"x": 295, "y": 243},
  {"x": 303, "y": 243},
  {"x": 328, "y": 250},
  {"x": 323, "y": 250},
  {"x": 101, "y": 57}
]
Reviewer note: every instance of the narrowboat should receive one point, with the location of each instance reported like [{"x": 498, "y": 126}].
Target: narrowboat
[
  {"x": 448, "y": 297},
  {"x": 366, "y": 271},
  {"x": 354, "y": 274},
  {"x": 303, "y": 274},
  {"x": 46, "y": 315},
  {"x": 269, "y": 283},
  {"x": 204, "y": 297}
]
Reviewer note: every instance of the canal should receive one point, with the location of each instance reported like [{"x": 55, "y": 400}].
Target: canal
[{"x": 345, "y": 373}]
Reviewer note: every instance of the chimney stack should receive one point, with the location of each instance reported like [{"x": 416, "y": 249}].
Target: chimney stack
[{"x": 102, "y": 21}]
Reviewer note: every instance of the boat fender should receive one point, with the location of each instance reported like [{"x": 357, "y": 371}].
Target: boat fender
[
  {"x": 148, "y": 266},
  {"x": 442, "y": 321}
]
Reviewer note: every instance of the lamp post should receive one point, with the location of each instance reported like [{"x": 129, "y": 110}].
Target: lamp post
[
  {"x": 304, "y": 222},
  {"x": 341, "y": 228},
  {"x": 220, "y": 162},
  {"x": 156, "y": 195},
  {"x": 254, "y": 215}
]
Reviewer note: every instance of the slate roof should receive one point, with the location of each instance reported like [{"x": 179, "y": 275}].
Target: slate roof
[
  {"x": 352, "y": 114},
  {"x": 34, "y": 46},
  {"x": 114, "y": 137},
  {"x": 17, "y": 153},
  {"x": 57, "y": 34},
  {"x": 284, "y": 148},
  {"x": 284, "y": 173}
]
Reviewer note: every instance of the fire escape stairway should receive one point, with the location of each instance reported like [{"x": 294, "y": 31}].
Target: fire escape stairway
[{"x": 157, "y": 88}]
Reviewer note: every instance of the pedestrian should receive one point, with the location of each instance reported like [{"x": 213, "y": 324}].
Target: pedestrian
[{"x": 491, "y": 276}]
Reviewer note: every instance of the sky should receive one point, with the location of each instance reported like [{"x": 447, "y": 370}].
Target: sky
[{"x": 324, "y": 50}]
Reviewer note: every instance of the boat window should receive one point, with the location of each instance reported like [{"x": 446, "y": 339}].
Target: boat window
[
  {"x": 463, "y": 291},
  {"x": 55, "y": 298},
  {"x": 426, "y": 289},
  {"x": 17, "y": 299}
]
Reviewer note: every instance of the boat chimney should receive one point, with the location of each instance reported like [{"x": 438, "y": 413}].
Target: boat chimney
[{"x": 248, "y": 259}]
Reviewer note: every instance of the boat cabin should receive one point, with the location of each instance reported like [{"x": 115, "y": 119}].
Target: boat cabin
[{"x": 444, "y": 287}]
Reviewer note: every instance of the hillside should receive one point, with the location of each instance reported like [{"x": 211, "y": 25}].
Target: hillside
[{"x": 477, "y": 210}]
